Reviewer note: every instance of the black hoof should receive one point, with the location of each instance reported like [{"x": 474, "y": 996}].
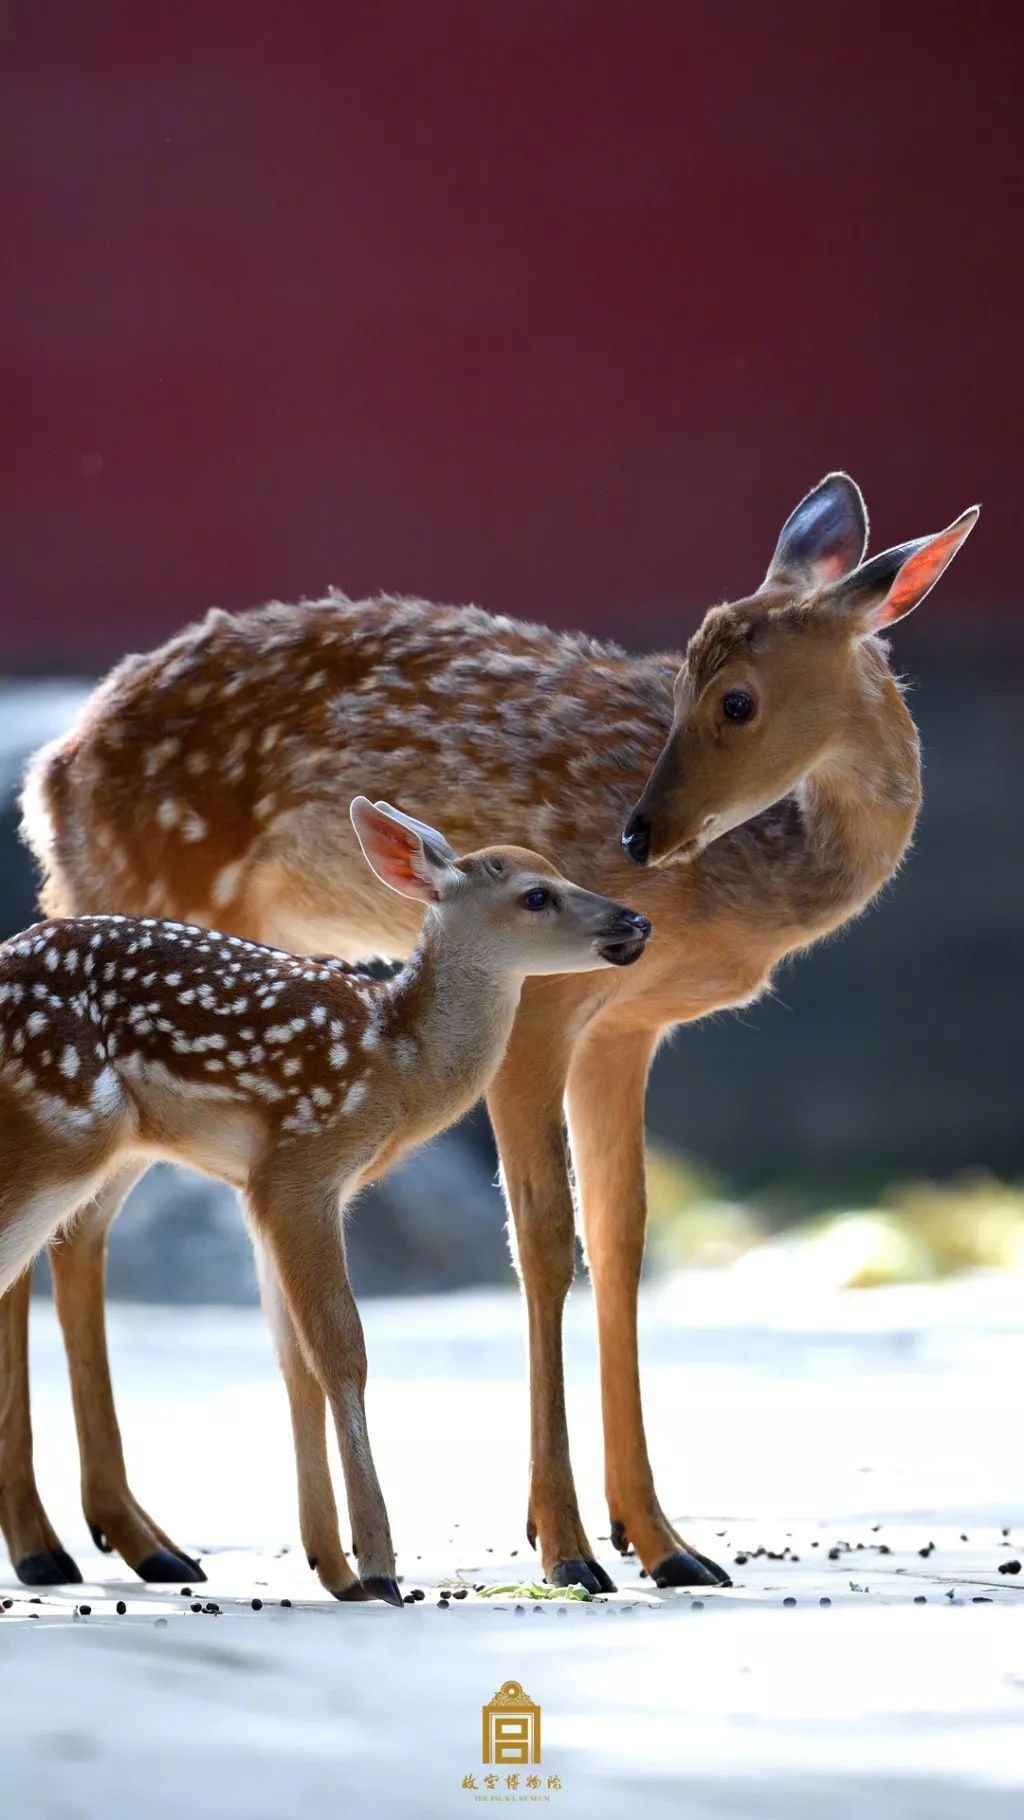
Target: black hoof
[
  {"x": 722, "y": 1578},
  {"x": 381, "y": 1586},
  {"x": 577, "y": 1572},
  {"x": 195, "y": 1571},
  {"x": 54, "y": 1568},
  {"x": 163, "y": 1566},
  {"x": 604, "y": 1580},
  {"x": 100, "y": 1539},
  {"x": 686, "y": 1569},
  {"x": 619, "y": 1538}
]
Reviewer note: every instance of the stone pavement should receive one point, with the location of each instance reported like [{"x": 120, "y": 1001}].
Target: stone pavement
[{"x": 860, "y": 1458}]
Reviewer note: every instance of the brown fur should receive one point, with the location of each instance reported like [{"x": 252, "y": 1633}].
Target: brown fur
[{"x": 208, "y": 782}]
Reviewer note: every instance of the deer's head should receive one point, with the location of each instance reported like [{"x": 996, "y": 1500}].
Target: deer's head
[{"x": 768, "y": 684}]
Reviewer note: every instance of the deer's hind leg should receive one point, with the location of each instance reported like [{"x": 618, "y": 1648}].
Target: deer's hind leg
[
  {"x": 525, "y": 1104},
  {"x": 296, "y": 1212},
  {"x": 116, "y": 1519}
]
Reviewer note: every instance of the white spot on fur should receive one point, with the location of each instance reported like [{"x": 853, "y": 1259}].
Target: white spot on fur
[
  {"x": 227, "y": 881},
  {"x": 354, "y": 1097}
]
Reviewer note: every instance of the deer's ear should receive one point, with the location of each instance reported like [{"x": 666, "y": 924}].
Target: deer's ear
[
  {"x": 400, "y": 856},
  {"x": 824, "y": 538},
  {"x": 891, "y": 585}
]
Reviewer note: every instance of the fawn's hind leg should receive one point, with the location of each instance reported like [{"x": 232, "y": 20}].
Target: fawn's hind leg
[
  {"x": 36, "y": 1553},
  {"x": 299, "y": 1222},
  {"x": 318, "y": 1511},
  {"x": 115, "y": 1518},
  {"x": 31, "y": 1209}
]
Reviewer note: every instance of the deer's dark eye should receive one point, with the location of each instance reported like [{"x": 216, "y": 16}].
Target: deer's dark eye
[
  {"x": 537, "y": 899},
  {"x": 738, "y": 705}
]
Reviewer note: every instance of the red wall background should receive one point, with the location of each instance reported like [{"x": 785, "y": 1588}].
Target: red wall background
[{"x": 554, "y": 304}]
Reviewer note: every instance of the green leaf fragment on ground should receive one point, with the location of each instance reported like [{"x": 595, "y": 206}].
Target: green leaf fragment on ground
[{"x": 536, "y": 1591}]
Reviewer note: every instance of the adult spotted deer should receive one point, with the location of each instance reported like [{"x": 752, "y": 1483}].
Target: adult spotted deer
[
  {"x": 205, "y": 782},
  {"x": 125, "y": 1040}
]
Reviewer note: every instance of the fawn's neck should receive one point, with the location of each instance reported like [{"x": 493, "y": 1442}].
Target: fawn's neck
[{"x": 459, "y": 1012}]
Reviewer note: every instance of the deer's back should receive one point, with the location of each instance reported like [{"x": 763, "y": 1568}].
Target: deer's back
[{"x": 210, "y": 781}]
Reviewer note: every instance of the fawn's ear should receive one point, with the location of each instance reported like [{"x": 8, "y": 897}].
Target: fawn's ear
[
  {"x": 431, "y": 836},
  {"x": 401, "y": 855},
  {"x": 824, "y": 538},
  {"x": 890, "y": 585}
]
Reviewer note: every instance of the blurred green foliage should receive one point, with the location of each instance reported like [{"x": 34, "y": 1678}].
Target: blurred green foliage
[{"x": 906, "y": 1233}]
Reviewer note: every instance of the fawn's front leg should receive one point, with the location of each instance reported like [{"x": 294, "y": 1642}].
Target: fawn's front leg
[
  {"x": 318, "y": 1511},
  {"x": 606, "y": 1091},
  {"x": 36, "y": 1554},
  {"x": 298, "y": 1220},
  {"x": 525, "y": 1104}
]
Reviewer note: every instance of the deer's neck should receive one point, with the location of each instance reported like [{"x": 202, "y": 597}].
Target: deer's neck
[
  {"x": 456, "y": 1013},
  {"x": 828, "y": 849}
]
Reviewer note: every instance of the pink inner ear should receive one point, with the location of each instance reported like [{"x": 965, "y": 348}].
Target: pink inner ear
[
  {"x": 918, "y": 575},
  {"x": 392, "y": 853},
  {"x": 829, "y": 568}
]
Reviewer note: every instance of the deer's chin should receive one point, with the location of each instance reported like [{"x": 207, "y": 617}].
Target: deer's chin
[{"x": 686, "y": 851}]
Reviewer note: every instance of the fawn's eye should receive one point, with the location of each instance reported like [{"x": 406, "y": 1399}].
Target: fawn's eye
[
  {"x": 738, "y": 705},
  {"x": 538, "y": 899}
]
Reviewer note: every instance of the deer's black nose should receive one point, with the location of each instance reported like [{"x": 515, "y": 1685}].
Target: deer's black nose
[{"x": 636, "y": 838}]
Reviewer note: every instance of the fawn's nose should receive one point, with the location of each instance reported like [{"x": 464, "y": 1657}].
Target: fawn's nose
[
  {"x": 634, "y": 923},
  {"x": 636, "y": 838}
]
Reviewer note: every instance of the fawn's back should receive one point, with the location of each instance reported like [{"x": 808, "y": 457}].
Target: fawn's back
[{"x": 189, "y": 1041}]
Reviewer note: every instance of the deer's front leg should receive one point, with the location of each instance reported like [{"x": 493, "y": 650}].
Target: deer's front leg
[
  {"x": 606, "y": 1091},
  {"x": 525, "y": 1104},
  {"x": 36, "y": 1554}
]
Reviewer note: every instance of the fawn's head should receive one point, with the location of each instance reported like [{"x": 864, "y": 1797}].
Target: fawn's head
[
  {"x": 771, "y": 686},
  {"x": 513, "y": 909}
]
